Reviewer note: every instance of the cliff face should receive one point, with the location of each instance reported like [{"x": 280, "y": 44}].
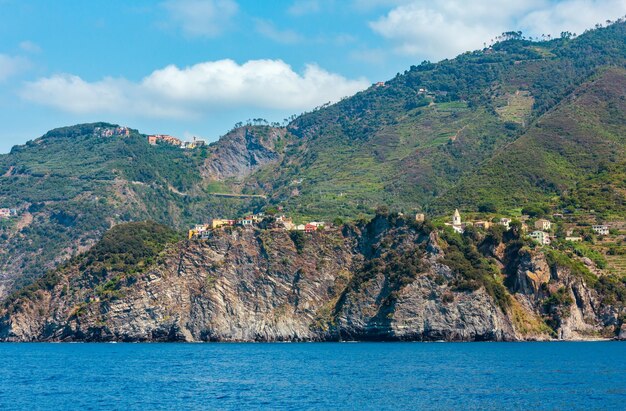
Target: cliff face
[
  {"x": 243, "y": 151},
  {"x": 387, "y": 280},
  {"x": 567, "y": 301}
]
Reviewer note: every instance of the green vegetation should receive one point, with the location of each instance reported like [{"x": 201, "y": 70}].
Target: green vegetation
[
  {"x": 475, "y": 271},
  {"x": 299, "y": 240},
  {"x": 523, "y": 124},
  {"x": 559, "y": 259},
  {"x": 76, "y": 184},
  {"x": 125, "y": 251}
]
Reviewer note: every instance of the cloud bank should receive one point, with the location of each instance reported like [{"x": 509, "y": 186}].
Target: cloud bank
[
  {"x": 445, "y": 28},
  {"x": 174, "y": 92}
]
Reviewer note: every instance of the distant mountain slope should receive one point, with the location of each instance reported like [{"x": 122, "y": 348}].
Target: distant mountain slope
[
  {"x": 73, "y": 184},
  {"x": 408, "y": 141},
  {"x": 583, "y": 135},
  {"x": 434, "y": 137}
]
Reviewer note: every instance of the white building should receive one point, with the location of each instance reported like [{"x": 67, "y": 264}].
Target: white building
[
  {"x": 601, "y": 229},
  {"x": 540, "y": 237},
  {"x": 246, "y": 222},
  {"x": 505, "y": 222}
]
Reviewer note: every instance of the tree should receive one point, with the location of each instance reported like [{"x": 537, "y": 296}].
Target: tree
[{"x": 487, "y": 208}]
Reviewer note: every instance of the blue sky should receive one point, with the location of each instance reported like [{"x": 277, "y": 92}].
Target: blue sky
[{"x": 196, "y": 67}]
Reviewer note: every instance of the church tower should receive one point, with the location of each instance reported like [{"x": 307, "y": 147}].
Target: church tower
[{"x": 456, "y": 219}]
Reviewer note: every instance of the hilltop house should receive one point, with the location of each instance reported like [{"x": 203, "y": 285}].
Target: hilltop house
[
  {"x": 218, "y": 222},
  {"x": 420, "y": 217},
  {"x": 153, "y": 139},
  {"x": 543, "y": 224},
  {"x": 8, "y": 212},
  {"x": 506, "y": 222},
  {"x": 198, "y": 231},
  {"x": 485, "y": 225},
  {"x": 601, "y": 229},
  {"x": 286, "y": 222},
  {"x": 110, "y": 131},
  {"x": 541, "y": 237},
  {"x": 246, "y": 221},
  {"x": 309, "y": 228},
  {"x": 196, "y": 142}
]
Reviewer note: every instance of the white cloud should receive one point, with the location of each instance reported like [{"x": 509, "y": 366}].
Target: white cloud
[
  {"x": 201, "y": 18},
  {"x": 30, "y": 47},
  {"x": 11, "y": 66},
  {"x": 572, "y": 15},
  {"x": 267, "y": 29},
  {"x": 446, "y": 28},
  {"x": 196, "y": 90},
  {"x": 302, "y": 7}
]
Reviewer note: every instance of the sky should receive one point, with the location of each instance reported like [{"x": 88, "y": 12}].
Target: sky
[{"x": 197, "y": 67}]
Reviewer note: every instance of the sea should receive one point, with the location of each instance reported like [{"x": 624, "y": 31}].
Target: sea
[{"x": 316, "y": 376}]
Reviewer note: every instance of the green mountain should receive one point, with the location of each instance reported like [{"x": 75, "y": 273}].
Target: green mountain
[
  {"x": 521, "y": 123},
  {"x": 73, "y": 184},
  {"x": 581, "y": 140},
  {"x": 409, "y": 142}
]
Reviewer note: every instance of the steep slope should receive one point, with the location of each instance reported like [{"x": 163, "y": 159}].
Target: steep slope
[
  {"x": 243, "y": 151},
  {"x": 403, "y": 144},
  {"x": 389, "y": 279},
  {"x": 583, "y": 135},
  {"x": 72, "y": 184},
  {"x": 406, "y": 142}
]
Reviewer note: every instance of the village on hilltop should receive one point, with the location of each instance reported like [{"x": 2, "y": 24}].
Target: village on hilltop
[
  {"x": 153, "y": 139},
  {"x": 280, "y": 222},
  {"x": 542, "y": 233},
  {"x": 122, "y": 131}
]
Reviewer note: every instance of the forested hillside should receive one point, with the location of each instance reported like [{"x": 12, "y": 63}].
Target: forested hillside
[{"x": 73, "y": 184}]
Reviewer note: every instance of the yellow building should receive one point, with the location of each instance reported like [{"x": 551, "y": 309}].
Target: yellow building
[{"x": 218, "y": 222}]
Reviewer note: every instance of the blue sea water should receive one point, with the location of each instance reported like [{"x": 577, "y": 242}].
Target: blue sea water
[{"x": 589, "y": 375}]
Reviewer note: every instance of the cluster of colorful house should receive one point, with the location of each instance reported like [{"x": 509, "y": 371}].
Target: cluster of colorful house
[
  {"x": 122, "y": 131},
  {"x": 8, "y": 213},
  {"x": 155, "y": 139},
  {"x": 541, "y": 233},
  {"x": 280, "y": 222}
]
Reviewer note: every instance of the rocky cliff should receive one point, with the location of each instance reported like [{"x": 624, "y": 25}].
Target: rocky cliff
[
  {"x": 389, "y": 279},
  {"x": 243, "y": 151}
]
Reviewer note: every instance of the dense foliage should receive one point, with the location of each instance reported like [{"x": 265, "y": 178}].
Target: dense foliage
[{"x": 123, "y": 252}]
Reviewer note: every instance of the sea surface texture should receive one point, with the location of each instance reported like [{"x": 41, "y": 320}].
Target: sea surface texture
[{"x": 585, "y": 375}]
